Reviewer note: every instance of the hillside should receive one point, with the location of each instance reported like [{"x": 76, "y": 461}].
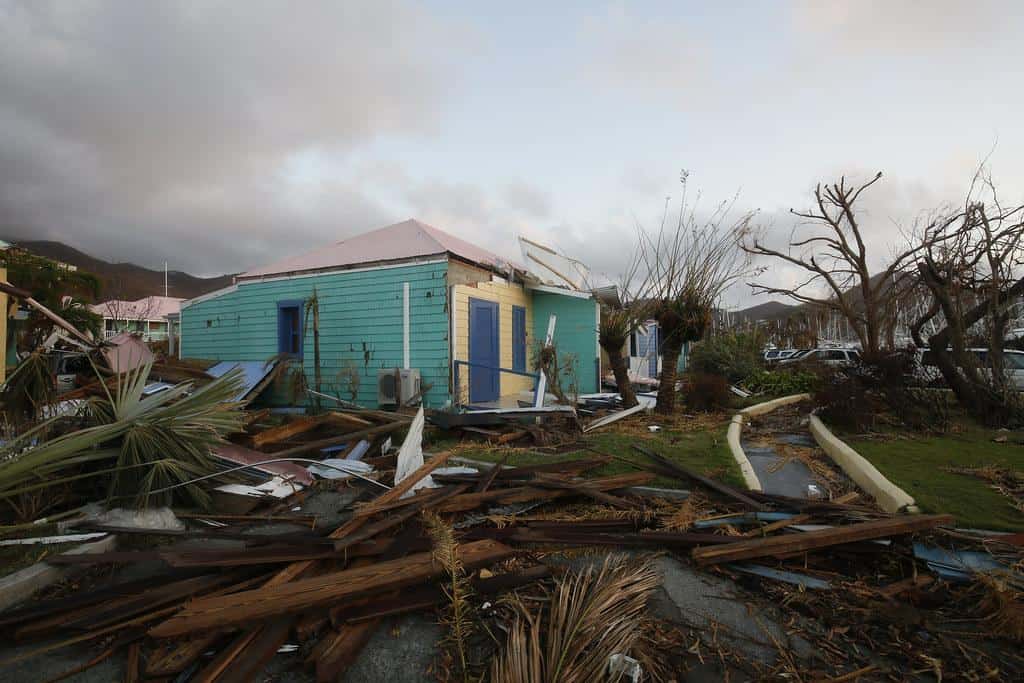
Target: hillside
[
  {"x": 769, "y": 310},
  {"x": 126, "y": 280}
]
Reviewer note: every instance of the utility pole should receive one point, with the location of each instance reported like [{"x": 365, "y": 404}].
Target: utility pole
[{"x": 165, "y": 279}]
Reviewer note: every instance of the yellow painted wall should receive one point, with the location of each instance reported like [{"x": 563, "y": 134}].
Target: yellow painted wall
[{"x": 506, "y": 295}]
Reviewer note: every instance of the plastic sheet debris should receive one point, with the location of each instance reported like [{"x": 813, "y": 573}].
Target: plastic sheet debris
[
  {"x": 801, "y": 580},
  {"x": 743, "y": 518},
  {"x": 456, "y": 469},
  {"x": 956, "y": 565},
  {"x": 273, "y": 488},
  {"x": 50, "y": 540},
  {"x": 336, "y": 468},
  {"x": 146, "y": 518},
  {"x": 624, "y": 668},
  {"x": 410, "y": 456}
]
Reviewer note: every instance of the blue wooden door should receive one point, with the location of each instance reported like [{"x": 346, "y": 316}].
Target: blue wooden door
[{"x": 483, "y": 351}]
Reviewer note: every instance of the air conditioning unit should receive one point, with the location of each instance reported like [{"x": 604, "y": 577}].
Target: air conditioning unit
[{"x": 396, "y": 385}]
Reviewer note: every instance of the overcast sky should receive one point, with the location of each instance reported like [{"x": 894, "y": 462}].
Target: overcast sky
[{"x": 223, "y": 135}]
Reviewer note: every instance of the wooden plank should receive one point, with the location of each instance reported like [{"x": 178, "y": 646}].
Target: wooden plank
[
  {"x": 553, "y": 481},
  {"x": 131, "y": 667},
  {"x": 426, "y": 597},
  {"x": 403, "y": 486},
  {"x": 486, "y": 481},
  {"x": 641, "y": 539},
  {"x": 343, "y": 647},
  {"x": 219, "y": 664},
  {"x": 796, "y": 543},
  {"x": 258, "y": 653},
  {"x": 710, "y": 483},
  {"x": 349, "y": 419},
  {"x": 170, "y": 659},
  {"x": 340, "y": 438},
  {"x": 264, "y": 603},
  {"x": 524, "y": 494},
  {"x": 295, "y": 427},
  {"x": 775, "y": 526}
]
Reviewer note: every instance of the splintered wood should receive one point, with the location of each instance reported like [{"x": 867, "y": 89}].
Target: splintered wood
[{"x": 288, "y": 598}]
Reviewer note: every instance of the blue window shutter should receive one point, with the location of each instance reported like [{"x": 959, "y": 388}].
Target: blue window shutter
[
  {"x": 289, "y": 327},
  {"x": 519, "y": 338}
]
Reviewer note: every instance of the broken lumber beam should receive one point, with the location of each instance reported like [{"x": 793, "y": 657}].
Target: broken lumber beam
[
  {"x": 526, "y": 494},
  {"x": 300, "y": 425},
  {"x": 822, "y": 538},
  {"x": 668, "y": 539},
  {"x": 426, "y": 597},
  {"x": 340, "y": 438},
  {"x": 264, "y": 603},
  {"x": 581, "y": 486},
  {"x": 403, "y": 487},
  {"x": 710, "y": 483}
]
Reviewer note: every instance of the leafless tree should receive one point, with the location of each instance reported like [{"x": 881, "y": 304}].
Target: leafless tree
[
  {"x": 688, "y": 264},
  {"x": 972, "y": 264},
  {"x": 834, "y": 257}
]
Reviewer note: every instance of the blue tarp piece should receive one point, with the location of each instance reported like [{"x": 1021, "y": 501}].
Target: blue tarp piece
[
  {"x": 743, "y": 518},
  {"x": 777, "y": 574},
  {"x": 956, "y": 565},
  {"x": 253, "y": 372},
  {"x": 357, "y": 453}
]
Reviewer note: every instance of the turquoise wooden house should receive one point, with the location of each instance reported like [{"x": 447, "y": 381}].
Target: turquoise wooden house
[{"x": 404, "y": 297}]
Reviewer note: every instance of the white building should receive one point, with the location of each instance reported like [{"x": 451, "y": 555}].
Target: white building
[{"x": 147, "y": 317}]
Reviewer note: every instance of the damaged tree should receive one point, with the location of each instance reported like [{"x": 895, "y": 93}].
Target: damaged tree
[
  {"x": 689, "y": 265},
  {"x": 971, "y": 264},
  {"x": 621, "y": 316},
  {"x": 835, "y": 258}
]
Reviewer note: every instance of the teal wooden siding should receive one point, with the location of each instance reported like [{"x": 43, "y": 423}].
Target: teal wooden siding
[
  {"x": 360, "y": 326},
  {"x": 575, "y": 333}
]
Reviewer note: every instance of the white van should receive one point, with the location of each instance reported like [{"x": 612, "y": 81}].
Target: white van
[{"x": 1013, "y": 362}]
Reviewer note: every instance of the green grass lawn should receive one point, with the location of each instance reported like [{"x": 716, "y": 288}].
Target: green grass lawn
[
  {"x": 704, "y": 449},
  {"x": 915, "y": 464}
]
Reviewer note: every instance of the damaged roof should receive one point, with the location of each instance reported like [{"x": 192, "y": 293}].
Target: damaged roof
[{"x": 402, "y": 241}]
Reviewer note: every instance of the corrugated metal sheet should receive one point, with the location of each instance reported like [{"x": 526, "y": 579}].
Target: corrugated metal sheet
[{"x": 253, "y": 372}]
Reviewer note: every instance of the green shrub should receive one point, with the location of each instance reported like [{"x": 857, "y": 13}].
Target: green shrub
[
  {"x": 781, "y": 382},
  {"x": 733, "y": 355}
]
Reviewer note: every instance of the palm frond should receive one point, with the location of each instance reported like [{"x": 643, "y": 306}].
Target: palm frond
[
  {"x": 154, "y": 441},
  {"x": 593, "y": 614},
  {"x": 459, "y": 616}
]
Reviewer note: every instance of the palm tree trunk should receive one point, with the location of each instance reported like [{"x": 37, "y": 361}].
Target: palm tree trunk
[
  {"x": 621, "y": 371},
  {"x": 671, "y": 348}
]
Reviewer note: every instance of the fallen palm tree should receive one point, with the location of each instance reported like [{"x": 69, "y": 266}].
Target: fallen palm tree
[{"x": 137, "y": 444}]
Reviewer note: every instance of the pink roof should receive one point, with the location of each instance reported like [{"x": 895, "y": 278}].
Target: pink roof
[
  {"x": 148, "y": 308},
  {"x": 406, "y": 240}
]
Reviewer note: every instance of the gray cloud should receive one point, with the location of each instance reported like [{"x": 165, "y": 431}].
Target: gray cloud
[
  {"x": 904, "y": 27},
  {"x": 170, "y": 130}
]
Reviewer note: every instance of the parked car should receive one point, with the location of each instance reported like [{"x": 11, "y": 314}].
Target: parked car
[
  {"x": 1013, "y": 366},
  {"x": 67, "y": 365},
  {"x": 833, "y": 357},
  {"x": 776, "y": 355}
]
